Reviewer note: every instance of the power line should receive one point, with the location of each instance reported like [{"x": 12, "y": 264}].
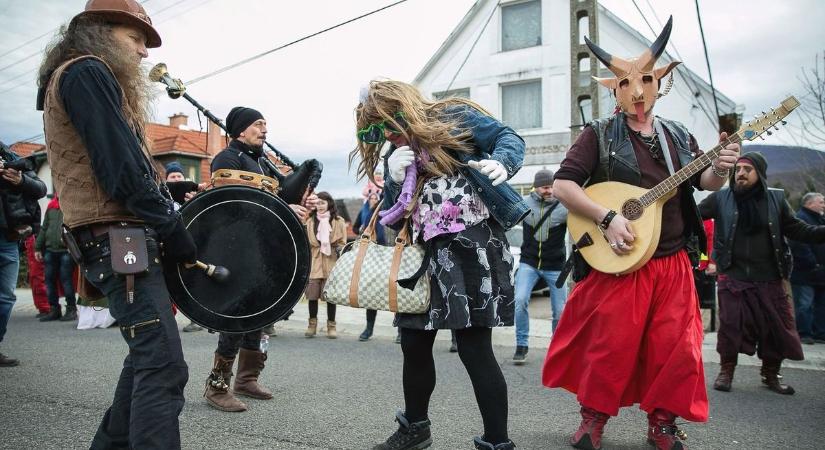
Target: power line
[
  {"x": 495, "y": 8},
  {"x": 260, "y": 55},
  {"x": 707, "y": 59},
  {"x": 692, "y": 86},
  {"x": 32, "y": 55}
]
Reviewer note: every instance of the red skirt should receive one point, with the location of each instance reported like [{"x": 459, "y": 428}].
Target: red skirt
[{"x": 630, "y": 339}]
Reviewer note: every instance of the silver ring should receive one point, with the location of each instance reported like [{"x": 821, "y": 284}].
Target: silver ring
[
  {"x": 621, "y": 243},
  {"x": 613, "y": 245}
]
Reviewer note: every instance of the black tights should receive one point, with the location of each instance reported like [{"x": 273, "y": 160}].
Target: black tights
[
  {"x": 313, "y": 310},
  {"x": 476, "y": 352}
]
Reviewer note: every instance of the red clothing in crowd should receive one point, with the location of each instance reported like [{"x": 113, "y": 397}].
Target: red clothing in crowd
[{"x": 37, "y": 277}]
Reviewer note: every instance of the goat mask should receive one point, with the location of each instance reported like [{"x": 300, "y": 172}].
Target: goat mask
[{"x": 637, "y": 82}]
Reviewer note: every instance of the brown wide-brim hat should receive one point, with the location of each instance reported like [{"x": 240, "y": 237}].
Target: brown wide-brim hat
[{"x": 126, "y": 12}]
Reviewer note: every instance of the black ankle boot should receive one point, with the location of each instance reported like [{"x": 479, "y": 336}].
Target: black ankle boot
[
  {"x": 481, "y": 444},
  {"x": 367, "y": 333},
  {"x": 54, "y": 314},
  {"x": 70, "y": 315},
  {"x": 409, "y": 436}
]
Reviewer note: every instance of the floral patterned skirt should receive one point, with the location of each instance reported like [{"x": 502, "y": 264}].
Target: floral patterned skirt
[{"x": 471, "y": 281}]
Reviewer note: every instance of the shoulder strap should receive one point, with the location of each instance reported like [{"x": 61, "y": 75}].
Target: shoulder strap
[{"x": 545, "y": 216}]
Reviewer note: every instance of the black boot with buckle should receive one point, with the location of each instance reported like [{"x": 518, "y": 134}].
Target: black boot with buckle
[{"x": 409, "y": 436}]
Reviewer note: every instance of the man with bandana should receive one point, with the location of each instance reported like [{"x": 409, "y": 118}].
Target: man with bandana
[
  {"x": 247, "y": 128},
  {"x": 635, "y": 338},
  {"x": 752, "y": 258}
]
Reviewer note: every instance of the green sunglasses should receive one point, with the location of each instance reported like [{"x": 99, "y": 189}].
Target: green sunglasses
[{"x": 374, "y": 133}]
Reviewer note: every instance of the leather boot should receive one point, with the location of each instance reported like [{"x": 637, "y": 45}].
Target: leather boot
[
  {"x": 70, "y": 315},
  {"x": 409, "y": 436},
  {"x": 725, "y": 378},
  {"x": 770, "y": 377},
  {"x": 332, "y": 332},
  {"x": 589, "y": 434},
  {"x": 663, "y": 432},
  {"x": 481, "y": 444},
  {"x": 217, "y": 392},
  {"x": 54, "y": 314},
  {"x": 250, "y": 365},
  {"x": 367, "y": 333},
  {"x": 312, "y": 329}
]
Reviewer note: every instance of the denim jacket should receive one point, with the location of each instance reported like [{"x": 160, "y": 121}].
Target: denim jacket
[{"x": 491, "y": 140}]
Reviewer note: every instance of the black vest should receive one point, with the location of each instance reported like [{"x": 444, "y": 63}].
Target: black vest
[
  {"x": 727, "y": 218},
  {"x": 617, "y": 162}
]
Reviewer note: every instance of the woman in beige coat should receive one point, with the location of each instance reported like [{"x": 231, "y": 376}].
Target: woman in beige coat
[{"x": 327, "y": 232}]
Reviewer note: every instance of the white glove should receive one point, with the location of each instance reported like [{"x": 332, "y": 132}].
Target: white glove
[
  {"x": 494, "y": 170},
  {"x": 398, "y": 162}
]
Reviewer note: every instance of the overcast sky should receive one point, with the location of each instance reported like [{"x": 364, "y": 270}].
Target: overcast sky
[{"x": 307, "y": 92}]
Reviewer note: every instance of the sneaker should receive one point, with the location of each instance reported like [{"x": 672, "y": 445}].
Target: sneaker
[
  {"x": 409, "y": 436},
  {"x": 366, "y": 334},
  {"x": 41, "y": 314},
  {"x": 5, "y": 361},
  {"x": 808, "y": 340},
  {"x": 520, "y": 357},
  {"x": 270, "y": 330},
  {"x": 192, "y": 327}
]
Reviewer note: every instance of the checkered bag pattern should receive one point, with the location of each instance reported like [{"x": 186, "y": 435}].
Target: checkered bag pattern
[{"x": 374, "y": 281}]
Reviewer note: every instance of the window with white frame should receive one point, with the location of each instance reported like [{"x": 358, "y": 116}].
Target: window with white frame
[
  {"x": 521, "y": 105},
  {"x": 520, "y": 25}
]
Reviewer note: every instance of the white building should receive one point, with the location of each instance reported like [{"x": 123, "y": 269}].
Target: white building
[{"x": 519, "y": 60}]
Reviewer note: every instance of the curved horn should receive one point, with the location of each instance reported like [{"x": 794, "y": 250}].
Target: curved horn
[
  {"x": 659, "y": 45},
  {"x": 597, "y": 51}
]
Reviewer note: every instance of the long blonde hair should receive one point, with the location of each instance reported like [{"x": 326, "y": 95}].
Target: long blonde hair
[{"x": 429, "y": 126}]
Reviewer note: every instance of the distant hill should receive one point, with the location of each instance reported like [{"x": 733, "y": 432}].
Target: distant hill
[{"x": 796, "y": 169}]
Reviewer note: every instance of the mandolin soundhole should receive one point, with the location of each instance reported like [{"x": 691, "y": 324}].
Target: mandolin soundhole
[{"x": 632, "y": 209}]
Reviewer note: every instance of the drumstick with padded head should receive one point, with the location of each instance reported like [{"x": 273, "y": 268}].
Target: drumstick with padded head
[{"x": 217, "y": 273}]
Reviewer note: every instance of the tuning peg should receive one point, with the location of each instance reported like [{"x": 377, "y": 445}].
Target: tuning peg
[
  {"x": 769, "y": 132},
  {"x": 761, "y": 137},
  {"x": 776, "y": 128},
  {"x": 784, "y": 122}
]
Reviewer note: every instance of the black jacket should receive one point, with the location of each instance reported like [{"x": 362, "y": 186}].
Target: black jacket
[
  {"x": 543, "y": 247},
  {"x": 808, "y": 259},
  {"x": 239, "y": 156},
  {"x": 18, "y": 204}
]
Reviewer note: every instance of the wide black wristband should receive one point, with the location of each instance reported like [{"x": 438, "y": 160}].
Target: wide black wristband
[{"x": 607, "y": 219}]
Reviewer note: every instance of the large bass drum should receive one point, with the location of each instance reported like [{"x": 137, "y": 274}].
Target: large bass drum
[{"x": 260, "y": 240}]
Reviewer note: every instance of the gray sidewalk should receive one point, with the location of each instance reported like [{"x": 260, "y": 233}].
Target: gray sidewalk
[{"x": 351, "y": 322}]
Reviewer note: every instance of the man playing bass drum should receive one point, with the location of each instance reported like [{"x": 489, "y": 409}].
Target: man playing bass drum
[{"x": 247, "y": 128}]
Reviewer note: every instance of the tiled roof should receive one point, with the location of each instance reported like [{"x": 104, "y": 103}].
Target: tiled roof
[
  {"x": 168, "y": 139},
  {"x": 23, "y": 149}
]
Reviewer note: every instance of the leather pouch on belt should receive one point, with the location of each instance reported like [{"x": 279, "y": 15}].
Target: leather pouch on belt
[
  {"x": 85, "y": 289},
  {"x": 129, "y": 254}
]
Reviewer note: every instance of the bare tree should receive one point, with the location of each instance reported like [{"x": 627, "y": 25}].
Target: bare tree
[{"x": 812, "y": 110}]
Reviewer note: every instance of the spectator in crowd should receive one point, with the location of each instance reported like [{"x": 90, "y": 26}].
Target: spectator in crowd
[
  {"x": 174, "y": 174},
  {"x": 808, "y": 276},
  {"x": 704, "y": 274},
  {"x": 359, "y": 226},
  {"x": 542, "y": 255},
  {"x": 326, "y": 232},
  {"x": 37, "y": 279},
  {"x": 19, "y": 191},
  {"x": 752, "y": 258},
  {"x": 59, "y": 265}
]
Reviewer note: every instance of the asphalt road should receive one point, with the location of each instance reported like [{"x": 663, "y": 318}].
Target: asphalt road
[{"x": 342, "y": 394}]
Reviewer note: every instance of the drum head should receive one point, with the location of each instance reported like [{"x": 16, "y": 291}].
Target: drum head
[{"x": 258, "y": 238}]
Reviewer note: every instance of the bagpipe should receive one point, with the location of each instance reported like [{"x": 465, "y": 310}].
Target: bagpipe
[
  {"x": 293, "y": 185},
  {"x": 244, "y": 226}
]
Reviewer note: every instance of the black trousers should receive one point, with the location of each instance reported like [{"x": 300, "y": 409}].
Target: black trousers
[
  {"x": 230, "y": 343},
  {"x": 149, "y": 394}
]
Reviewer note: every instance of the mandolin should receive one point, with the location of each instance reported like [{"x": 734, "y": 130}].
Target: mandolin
[{"x": 643, "y": 207}]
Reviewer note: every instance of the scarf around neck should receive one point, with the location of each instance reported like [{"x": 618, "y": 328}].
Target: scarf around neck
[
  {"x": 323, "y": 232},
  {"x": 747, "y": 202}
]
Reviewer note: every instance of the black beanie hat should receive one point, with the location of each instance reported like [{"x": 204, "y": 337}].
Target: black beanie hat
[
  {"x": 239, "y": 119},
  {"x": 544, "y": 177}
]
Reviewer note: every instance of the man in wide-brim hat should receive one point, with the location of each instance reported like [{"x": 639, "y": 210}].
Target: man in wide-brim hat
[{"x": 94, "y": 95}]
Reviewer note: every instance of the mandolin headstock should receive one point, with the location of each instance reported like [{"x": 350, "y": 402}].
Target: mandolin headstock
[{"x": 763, "y": 124}]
